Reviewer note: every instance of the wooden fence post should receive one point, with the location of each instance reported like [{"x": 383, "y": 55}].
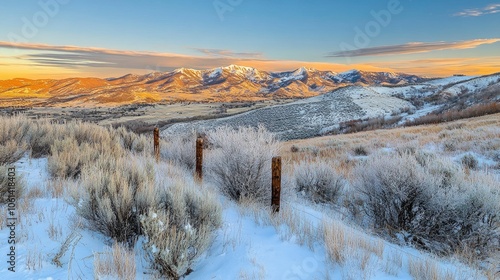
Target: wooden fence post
[
  {"x": 276, "y": 184},
  {"x": 157, "y": 143},
  {"x": 199, "y": 159}
]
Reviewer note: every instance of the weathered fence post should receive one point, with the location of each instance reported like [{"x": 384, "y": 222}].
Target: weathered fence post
[
  {"x": 157, "y": 143},
  {"x": 199, "y": 159},
  {"x": 276, "y": 184}
]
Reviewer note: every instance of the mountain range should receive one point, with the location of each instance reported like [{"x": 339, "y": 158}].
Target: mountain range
[{"x": 222, "y": 84}]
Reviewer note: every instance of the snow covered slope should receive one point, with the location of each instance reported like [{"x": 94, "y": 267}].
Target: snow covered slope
[
  {"x": 308, "y": 117},
  {"x": 248, "y": 246}
]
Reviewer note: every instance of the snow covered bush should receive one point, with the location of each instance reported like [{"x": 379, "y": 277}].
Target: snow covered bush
[
  {"x": 180, "y": 229},
  {"x": 113, "y": 193},
  {"x": 470, "y": 161},
  {"x": 393, "y": 189},
  {"x": 130, "y": 141},
  {"x": 180, "y": 150},
  {"x": 70, "y": 155},
  {"x": 240, "y": 162},
  {"x": 318, "y": 181},
  {"x": 430, "y": 202}
]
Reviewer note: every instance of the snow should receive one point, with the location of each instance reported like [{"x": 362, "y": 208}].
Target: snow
[
  {"x": 33, "y": 229},
  {"x": 406, "y": 91},
  {"x": 296, "y": 75},
  {"x": 347, "y": 75},
  {"x": 249, "y": 73},
  {"x": 215, "y": 73},
  {"x": 375, "y": 104},
  {"x": 449, "y": 80},
  {"x": 473, "y": 85},
  {"x": 244, "y": 247}
]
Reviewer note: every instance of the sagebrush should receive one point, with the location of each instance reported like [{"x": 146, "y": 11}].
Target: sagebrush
[{"x": 240, "y": 161}]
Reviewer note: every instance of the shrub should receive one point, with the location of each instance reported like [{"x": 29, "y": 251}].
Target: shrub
[
  {"x": 4, "y": 185},
  {"x": 180, "y": 150},
  {"x": 430, "y": 202},
  {"x": 392, "y": 189},
  {"x": 14, "y": 128},
  {"x": 130, "y": 141},
  {"x": 89, "y": 133},
  {"x": 469, "y": 161},
  {"x": 318, "y": 181},
  {"x": 42, "y": 136},
  {"x": 180, "y": 229},
  {"x": 11, "y": 152},
  {"x": 69, "y": 156},
  {"x": 360, "y": 151},
  {"x": 13, "y": 134},
  {"x": 240, "y": 163},
  {"x": 114, "y": 192}
]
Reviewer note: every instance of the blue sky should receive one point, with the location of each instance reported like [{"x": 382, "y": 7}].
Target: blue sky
[{"x": 273, "y": 35}]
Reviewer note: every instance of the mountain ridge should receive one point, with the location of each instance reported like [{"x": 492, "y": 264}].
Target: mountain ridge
[{"x": 222, "y": 84}]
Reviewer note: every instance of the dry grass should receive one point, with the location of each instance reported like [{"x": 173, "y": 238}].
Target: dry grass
[
  {"x": 71, "y": 240},
  {"x": 57, "y": 187},
  {"x": 117, "y": 261},
  {"x": 393, "y": 263},
  {"x": 428, "y": 270},
  {"x": 480, "y": 135},
  {"x": 34, "y": 259}
]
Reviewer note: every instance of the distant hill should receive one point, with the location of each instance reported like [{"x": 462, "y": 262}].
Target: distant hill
[
  {"x": 223, "y": 84},
  {"x": 327, "y": 113}
]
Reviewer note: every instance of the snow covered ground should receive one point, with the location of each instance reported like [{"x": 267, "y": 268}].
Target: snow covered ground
[
  {"x": 473, "y": 86},
  {"x": 250, "y": 244}
]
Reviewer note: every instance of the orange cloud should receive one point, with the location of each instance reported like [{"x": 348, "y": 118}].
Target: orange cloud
[
  {"x": 446, "y": 66},
  {"x": 47, "y": 61}
]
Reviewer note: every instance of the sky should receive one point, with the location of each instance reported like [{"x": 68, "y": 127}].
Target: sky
[{"x": 77, "y": 38}]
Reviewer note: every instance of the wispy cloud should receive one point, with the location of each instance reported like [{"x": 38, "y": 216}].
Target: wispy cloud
[
  {"x": 99, "y": 60},
  {"x": 50, "y": 61},
  {"x": 490, "y": 9},
  {"x": 75, "y": 56},
  {"x": 415, "y": 47},
  {"x": 228, "y": 53}
]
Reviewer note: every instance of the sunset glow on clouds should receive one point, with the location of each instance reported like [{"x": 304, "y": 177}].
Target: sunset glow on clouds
[{"x": 55, "y": 38}]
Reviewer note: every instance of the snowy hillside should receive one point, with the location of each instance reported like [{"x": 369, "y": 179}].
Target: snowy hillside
[
  {"x": 473, "y": 86},
  {"x": 309, "y": 117},
  {"x": 250, "y": 245},
  {"x": 320, "y": 114}
]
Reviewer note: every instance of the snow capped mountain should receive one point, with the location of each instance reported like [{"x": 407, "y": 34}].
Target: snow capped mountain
[
  {"x": 350, "y": 76},
  {"x": 228, "y": 83}
]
